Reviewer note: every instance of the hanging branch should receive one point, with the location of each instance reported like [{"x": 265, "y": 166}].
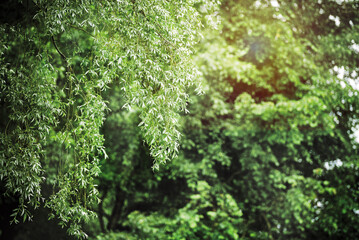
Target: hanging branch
[
  {"x": 58, "y": 50},
  {"x": 159, "y": 34}
]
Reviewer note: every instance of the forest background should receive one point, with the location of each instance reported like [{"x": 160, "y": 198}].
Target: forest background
[{"x": 179, "y": 119}]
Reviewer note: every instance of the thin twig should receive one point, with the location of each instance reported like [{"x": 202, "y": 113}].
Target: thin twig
[
  {"x": 81, "y": 29},
  {"x": 58, "y": 50},
  {"x": 268, "y": 225},
  {"x": 7, "y": 125}
]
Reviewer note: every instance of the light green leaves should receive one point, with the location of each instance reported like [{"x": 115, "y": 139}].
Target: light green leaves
[{"x": 56, "y": 62}]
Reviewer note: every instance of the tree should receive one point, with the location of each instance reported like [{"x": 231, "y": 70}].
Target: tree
[
  {"x": 268, "y": 152},
  {"x": 57, "y": 58},
  {"x": 282, "y": 114}
]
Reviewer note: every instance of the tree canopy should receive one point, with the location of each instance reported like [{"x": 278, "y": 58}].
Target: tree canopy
[{"x": 267, "y": 152}]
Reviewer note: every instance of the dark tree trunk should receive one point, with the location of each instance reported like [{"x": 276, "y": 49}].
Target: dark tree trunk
[
  {"x": 117, "y": 209},
  {"x": 101, "y": 213}
]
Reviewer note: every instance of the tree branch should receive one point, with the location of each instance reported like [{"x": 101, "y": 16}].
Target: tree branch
[
  {"x": 81, "y": 29},
  {"x": 268, "y": 225},
  {"x": 57, "y": 49}
]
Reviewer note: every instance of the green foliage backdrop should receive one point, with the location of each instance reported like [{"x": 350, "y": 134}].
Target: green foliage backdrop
[{"x": 267, "y": 152}]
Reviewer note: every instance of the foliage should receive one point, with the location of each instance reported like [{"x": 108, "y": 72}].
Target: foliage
[
  {"x": 57, "y": 58},
  {"x": 281, "y": 113},
  {"x": 268, "y": 152}
]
